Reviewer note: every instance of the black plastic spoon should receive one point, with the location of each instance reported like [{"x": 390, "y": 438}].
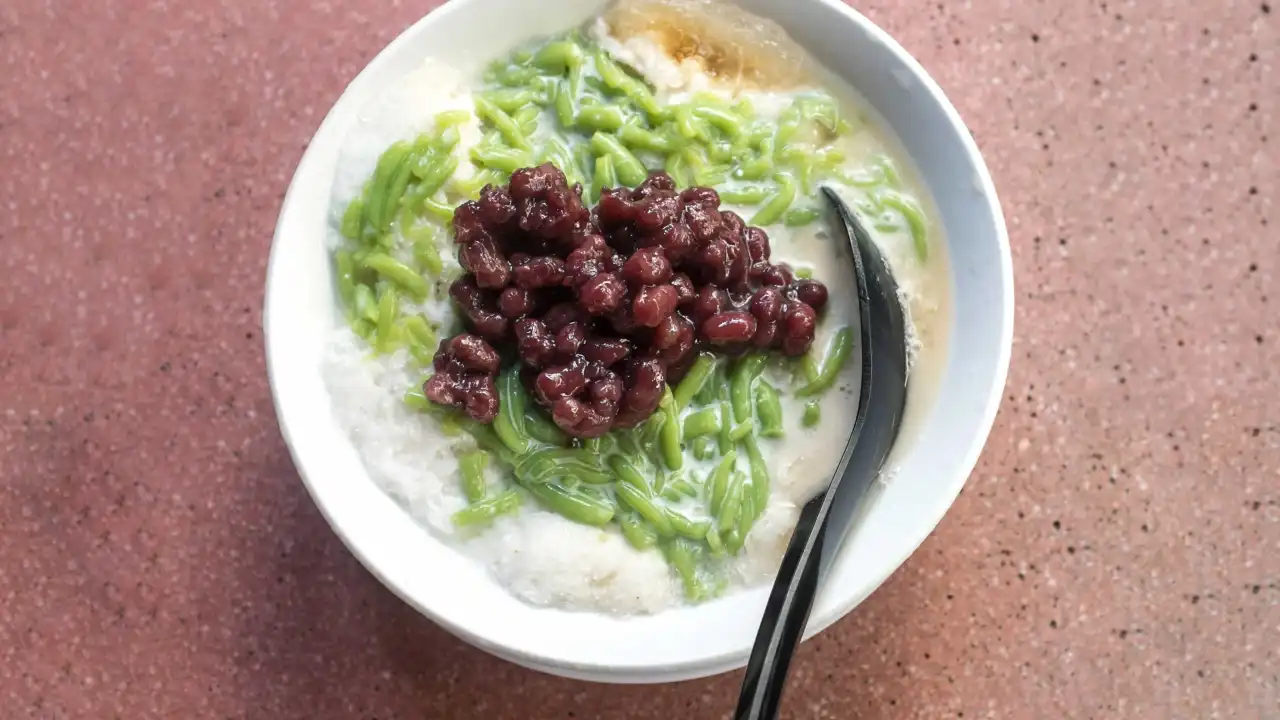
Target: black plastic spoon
[{"x": 826, "y": 518}]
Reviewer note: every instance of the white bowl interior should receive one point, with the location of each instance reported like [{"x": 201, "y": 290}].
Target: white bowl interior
[{"x": 454, "y": 591}]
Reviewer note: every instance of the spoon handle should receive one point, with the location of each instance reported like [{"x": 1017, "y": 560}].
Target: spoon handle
[
  {"x": 803, "y": 565},
  {"x": 784, "y": 616}
]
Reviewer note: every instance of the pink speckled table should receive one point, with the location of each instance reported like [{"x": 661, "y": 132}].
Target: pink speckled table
[{"x": 1115, "y": 555}]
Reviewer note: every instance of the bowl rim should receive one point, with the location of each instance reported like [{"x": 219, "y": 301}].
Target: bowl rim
[{"x": 941, "y": 501}]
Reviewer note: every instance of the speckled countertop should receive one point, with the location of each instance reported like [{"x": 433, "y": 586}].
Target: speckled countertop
[{"x": 1116, "y": 554}]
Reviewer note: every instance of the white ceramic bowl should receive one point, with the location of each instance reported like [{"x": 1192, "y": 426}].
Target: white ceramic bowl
[{"x": 690, "y": 642}]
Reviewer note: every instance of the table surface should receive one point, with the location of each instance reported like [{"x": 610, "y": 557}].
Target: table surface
[{"x": 1116, "y": 553}]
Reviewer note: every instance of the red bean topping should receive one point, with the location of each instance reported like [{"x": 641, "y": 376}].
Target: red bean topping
[
  {"x": 656, "y": 211},
  {"x": 568, "y": 340},
  {"x": 562, "y": 314},
  {"x": 606, "y": 389},
  {"x": 685, "y": 290},
  {"x": 538, "y": 272},
  {"x": 766, "y": 333},
  {"x": 560, "y": 380},
  {"x": 757, "y": 244},
  {"x": 483, "y": 259},
  {"x": 677, "y": 241},
  {"x": 464, "y": 366},
  {"x": 657, "y": 182},
  {"x": 534, "y": 345},
  {"x": 653, "y": 304},
  {"x": 480, "y": 397},
  {"x": 727, "y": 328},
  {"x": 648, "y": 266},
  {"x": 811, "y": 293},
  {"x": 605, "y": 350},
  {"x": 702, "y": 196},
  {"x": 468, "y": 224},
  {"x": 777, "y": 275},
  {"x": 514, "y": 302},
  {"x": 496, "y": 205},
  {"x": 602, "y": 294},
  {"x": 645, "y": 378},
  {"x": 766, "y": 305},
  {"x": 474, "y": 353},
  {"x": 579, "y": 295},
  {"x": 710, "y": 300},
  {"x": 673, "y": 339},
  {"x": 478, "y": 309},
  {"x": 798, "y": 325}
]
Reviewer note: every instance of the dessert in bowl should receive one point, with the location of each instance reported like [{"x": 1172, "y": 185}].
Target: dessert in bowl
[{"x": 557, "y": 330}]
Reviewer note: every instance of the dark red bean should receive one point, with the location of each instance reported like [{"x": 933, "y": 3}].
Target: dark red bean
[
  {"x": 673, "y": 339},
  {"x": 656, "y": 211},
  {"x": 577, "y": 419},
  {"x": 653, "y": 304},
  {"x": 657, "y": 182},
  {"x": 798, "y": 325},
  {"x": 558, "y": 381},
  {"x": 496, "y": 206},
  {"x": 533, "y": 343},
  {"x": 716, "y": 261},
  {"x": 667, "y": 332},
  {"x": 478, "y": 310},
  {"x": 514, "y": 302},
  {"x": 728, "y": 328},
  {"x": 739, "y": 262},
  {"x": 545, "y": 205},
  {"x": 648, "y": 266},
  {"x": 606, "y": 351},
  {"x": 757, "y": 244},
  {"x": 732, "y": 224},
  {"x": 615, "y": 208},
  {"x": 623, "y": 321},
  {"x": 490, "y": 325},
  {"x": 562, "y": 314},
  {"x": 568, "y": 340},
  {"x": 701, "y": 196},
  {"x": 483, "y": 259},
  {"x": 685, "y": 291},
  {"x": 568, "y": 412},
  {"x": 528, "y": 183},
  {"x": 444, "y": 361},
  {"x": 704, "y": 222},
  {"x": 474, "y": 353},
  {"x": 676, "y": 241},
  {"x": 474, "y": 393},
  {"x": 538, "y": 272},
  {"x": 480, "y": 399},
  {"x": 766, "y": 333},
  {"x": 443, "y": 389},
  {"x": 766, "y": 304},
  {"x": 602, "y": 294},
  {"x": 710, "y": 300},
  {"x": 592, "y": 247},
  {"x": 777, "y": 276},
  {"x": 586, "y": 261},
  {"x": 645, "y": 379},
  {"x": 811, "y": 293},
  {"x": 606, "y": 392},
  {"x": 468, "y": 224}
]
